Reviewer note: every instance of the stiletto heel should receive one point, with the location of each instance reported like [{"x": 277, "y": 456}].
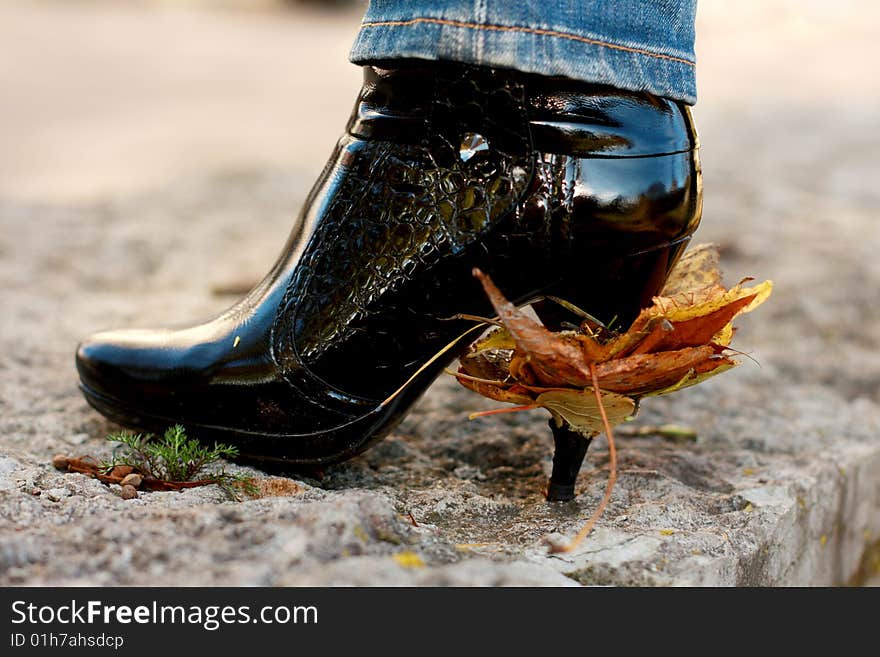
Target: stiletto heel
[{"x": 570, "y": 450}]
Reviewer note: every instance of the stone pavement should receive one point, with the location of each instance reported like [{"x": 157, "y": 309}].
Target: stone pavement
[{"x": 782, "y": 486}]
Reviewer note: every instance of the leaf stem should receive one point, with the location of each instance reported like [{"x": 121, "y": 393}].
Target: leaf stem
[
  {"x": 612, "y": 476},
  {"x": 499, "y": 411}
]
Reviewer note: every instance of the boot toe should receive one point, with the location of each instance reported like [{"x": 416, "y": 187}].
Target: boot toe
[
  {"x": 148, "y": 380},
  {"x": 97, "y": 362},
  {"x": 113, "y": 363}
]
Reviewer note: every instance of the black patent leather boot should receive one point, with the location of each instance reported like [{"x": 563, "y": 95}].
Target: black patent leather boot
[{"x": 552, "y": 186}]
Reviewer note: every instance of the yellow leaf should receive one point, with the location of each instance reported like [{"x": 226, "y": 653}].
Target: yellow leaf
[
  {"x": 698, "y": 304},
  {"x": 408, "y": 560},
  {"x": 762, "y": 293},
  {"x": 724, "y": 336},
  {"x": 497, "y": 339},
  {"x": 697, "y": 269},
  {"x": 580, "y": 410}
]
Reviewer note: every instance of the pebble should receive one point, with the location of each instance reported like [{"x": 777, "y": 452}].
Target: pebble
[
  {"x": 129, "y": 492},
  {"x": 132, "y": 479},
  {"x": 58, "y": 494},
  {"x": 60, "y": 461},
  {"x": 78, "y": 438}
]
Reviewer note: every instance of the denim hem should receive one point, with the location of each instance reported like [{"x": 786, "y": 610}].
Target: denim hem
[{"x": 530, "y": 50}]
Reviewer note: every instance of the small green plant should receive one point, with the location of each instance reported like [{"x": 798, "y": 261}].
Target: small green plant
[{"x": 175, "y": 457}]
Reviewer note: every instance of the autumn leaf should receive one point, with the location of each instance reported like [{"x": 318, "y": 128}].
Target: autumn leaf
[
  {"x": 580, "y": 409},
  {"x": 697, "y": 269},
  {"x": 641, "y": 374}
]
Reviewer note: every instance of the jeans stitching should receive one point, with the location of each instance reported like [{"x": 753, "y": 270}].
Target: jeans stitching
[
  {"x": 527, "y": 30},
  {"x": 480, "y": 13}
]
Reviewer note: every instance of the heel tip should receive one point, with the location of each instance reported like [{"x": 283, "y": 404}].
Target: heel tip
[{"x": 560, "y": 492}]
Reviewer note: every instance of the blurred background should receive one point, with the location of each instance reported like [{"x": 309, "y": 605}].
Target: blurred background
[
  {"x": 112, "y": 97},
  {"x": 108, "y": 97}
]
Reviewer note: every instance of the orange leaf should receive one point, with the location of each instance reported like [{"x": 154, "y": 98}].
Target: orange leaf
[
  {"x": 699, "y": 330},
  {"x": 642, "y": 373},
  {"x": 498, "y": 392}
]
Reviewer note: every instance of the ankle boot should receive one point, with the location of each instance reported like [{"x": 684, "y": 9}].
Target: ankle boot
[{"x": 550, "y": 185}]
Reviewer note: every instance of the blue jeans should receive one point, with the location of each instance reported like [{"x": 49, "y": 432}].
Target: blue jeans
[{"x": 640, "y": 45}]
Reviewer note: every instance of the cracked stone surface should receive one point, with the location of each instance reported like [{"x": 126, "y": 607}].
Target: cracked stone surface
[{"x": 781, "y": 487}]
